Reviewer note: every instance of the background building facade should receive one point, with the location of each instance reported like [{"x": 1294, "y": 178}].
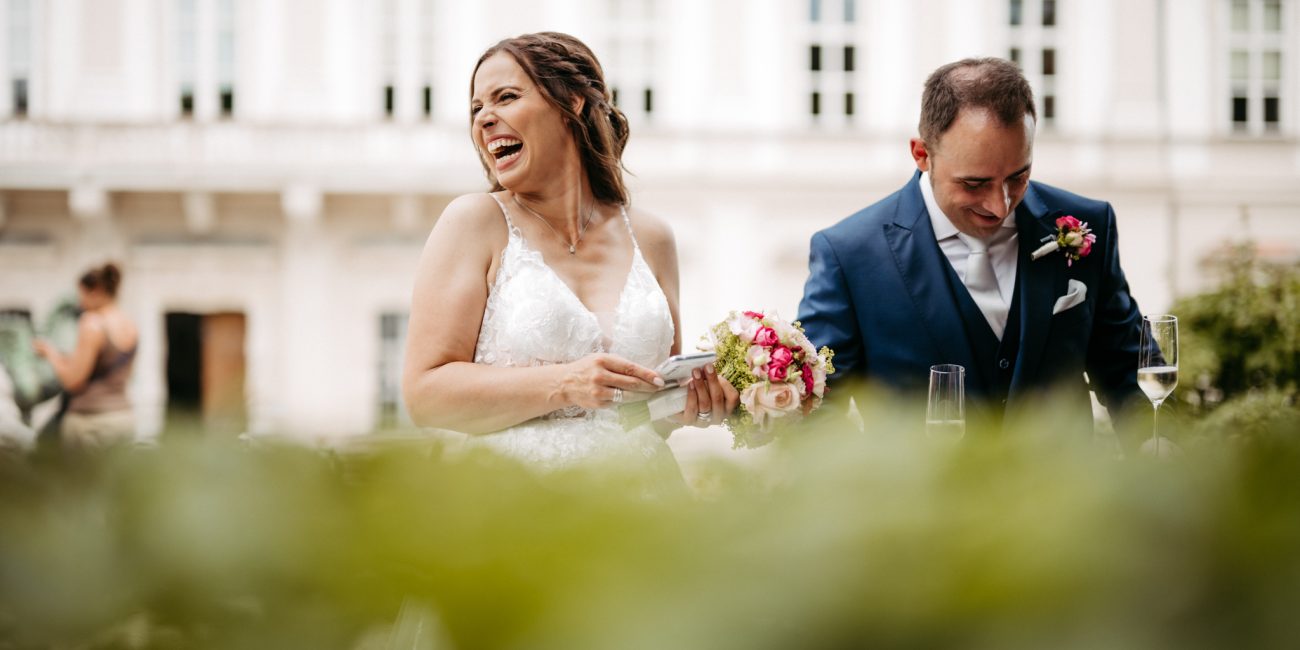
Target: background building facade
[{"x": 267, "y": 171}]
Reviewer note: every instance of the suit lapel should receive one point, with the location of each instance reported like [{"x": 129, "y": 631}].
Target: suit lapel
[
  {"x": 1040, "y": 283},
  {"x": 922, "y": 267}
]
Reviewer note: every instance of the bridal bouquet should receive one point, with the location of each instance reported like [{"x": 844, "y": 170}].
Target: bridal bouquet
[{"x": 780, "y": 375}]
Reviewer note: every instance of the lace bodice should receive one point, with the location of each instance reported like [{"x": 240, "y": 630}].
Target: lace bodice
[{"x": 533, "y": 318}]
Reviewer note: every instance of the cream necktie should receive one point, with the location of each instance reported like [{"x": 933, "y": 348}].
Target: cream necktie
[{"x": 983, "y": 285}]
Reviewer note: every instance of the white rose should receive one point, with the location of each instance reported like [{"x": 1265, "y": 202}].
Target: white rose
[{"x": 766, "y": 402}]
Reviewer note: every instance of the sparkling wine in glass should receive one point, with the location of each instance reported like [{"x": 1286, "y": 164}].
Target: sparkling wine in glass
[
  {"x": 1157, "y": 373},
  {"x": 945, "y": 414}
]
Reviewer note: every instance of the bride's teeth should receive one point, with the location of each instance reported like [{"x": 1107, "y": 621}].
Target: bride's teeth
[{"x": 496, "y": 145}]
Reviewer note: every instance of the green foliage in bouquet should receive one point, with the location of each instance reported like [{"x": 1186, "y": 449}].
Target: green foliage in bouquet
[
  {"x": 732, "y": 364},
  {"x": 1242, "y": 337}
]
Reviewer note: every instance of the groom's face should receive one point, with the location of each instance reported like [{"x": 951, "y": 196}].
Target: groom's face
[{"x": 979, "y": 169}]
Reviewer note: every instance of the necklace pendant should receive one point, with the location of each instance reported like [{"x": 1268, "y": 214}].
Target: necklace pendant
[{"x": 572, "y": 249}]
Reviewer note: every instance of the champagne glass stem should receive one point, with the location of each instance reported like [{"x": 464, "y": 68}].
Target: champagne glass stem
[{"x": 1155, "y": 425}]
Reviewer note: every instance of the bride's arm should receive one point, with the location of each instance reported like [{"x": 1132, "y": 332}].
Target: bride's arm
[{"x": 441, "y": 384}]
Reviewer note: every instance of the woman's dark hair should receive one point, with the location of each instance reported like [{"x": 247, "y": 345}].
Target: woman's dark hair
[
  {"x": 993, "y": 84},
  {"x": 564, "y": 69},
  {"x": 104, "y": 278}
]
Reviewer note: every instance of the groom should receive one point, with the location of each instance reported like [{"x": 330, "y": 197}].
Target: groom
[{"x": 941, "y": 271}]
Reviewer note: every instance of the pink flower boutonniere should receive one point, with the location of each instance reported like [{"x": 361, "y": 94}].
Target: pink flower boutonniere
[{"x": 1073, "y": 237}]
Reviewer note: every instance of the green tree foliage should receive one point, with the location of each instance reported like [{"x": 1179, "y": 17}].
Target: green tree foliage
[{"x": 1243, "y": 337}]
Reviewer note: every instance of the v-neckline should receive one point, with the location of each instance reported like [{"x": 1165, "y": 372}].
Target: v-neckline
[{"x": 622, "y": 293}]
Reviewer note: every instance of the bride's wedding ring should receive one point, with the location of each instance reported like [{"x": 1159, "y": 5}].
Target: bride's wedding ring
[
  {"x": 618, "y": 395},
  {"x": 704, "y": 416}
]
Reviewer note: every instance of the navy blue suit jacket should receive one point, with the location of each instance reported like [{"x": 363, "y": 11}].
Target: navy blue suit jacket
[{"x": 879, "y": 296}]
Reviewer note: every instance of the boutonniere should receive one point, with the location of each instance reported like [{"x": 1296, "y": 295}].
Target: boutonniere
[{"x": 1073, "y": 237}]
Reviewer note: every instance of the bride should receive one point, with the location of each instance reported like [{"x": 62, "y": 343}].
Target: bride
[{"x": 539, "y": 305}]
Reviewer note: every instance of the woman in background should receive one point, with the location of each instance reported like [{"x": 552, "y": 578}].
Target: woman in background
[{"x": 95, "y": 373}]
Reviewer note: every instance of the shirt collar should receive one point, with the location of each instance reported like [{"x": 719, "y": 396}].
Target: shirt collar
[
  {"x": 943, "y": 228},
  {"x": 942, "y": 225}
]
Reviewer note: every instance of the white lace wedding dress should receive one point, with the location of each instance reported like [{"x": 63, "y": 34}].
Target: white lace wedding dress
[{"x": 533, "y": 318}]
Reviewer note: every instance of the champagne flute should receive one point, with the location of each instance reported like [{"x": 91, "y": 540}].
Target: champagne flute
[
  {"x": 945, "y": 414},
  {"x": 1157, "y": 373}
]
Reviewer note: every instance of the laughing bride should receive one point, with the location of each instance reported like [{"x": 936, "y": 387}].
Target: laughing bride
[{"x": 539, "y": 305}]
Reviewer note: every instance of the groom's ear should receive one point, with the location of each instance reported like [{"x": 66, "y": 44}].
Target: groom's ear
[{"x": 921, "y": 154}]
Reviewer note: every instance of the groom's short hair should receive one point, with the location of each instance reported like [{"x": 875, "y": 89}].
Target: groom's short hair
[{"x": 989, "y": 83}]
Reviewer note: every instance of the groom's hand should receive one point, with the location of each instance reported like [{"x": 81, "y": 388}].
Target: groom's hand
[{"x": 600, "y": 380}]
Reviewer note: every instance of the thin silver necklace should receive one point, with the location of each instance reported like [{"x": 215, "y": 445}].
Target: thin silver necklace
[{"x": 582, "y": 226}]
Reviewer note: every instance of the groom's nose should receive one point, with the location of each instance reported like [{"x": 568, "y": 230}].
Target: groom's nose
[{"x": 998, "y": 200}]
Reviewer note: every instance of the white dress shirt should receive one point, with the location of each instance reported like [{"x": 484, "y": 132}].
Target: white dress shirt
[{"x": 1003, "y": 246}]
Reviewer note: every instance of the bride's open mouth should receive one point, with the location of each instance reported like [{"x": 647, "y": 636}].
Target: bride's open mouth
[{"x": 505, "y": 150}]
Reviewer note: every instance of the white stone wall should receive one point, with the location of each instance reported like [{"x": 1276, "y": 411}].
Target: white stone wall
[{"x": 308, "y": 208}]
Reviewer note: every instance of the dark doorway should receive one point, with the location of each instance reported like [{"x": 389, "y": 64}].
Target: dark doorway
[{"x": 205, "y": 373}]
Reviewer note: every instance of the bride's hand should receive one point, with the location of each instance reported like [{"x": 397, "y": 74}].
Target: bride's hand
[
  {"x": 709, "y": 398},
  {"x": 599, "y": 380}
]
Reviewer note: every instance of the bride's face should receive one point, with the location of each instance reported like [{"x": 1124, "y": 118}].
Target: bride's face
[{"x": 516, "y": 130}]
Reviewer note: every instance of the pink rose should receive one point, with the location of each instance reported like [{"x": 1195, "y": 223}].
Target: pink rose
[
  {"x": 1086, "y": 246},
  {"x": 754, "y": 315},
  {"x": 1068, "y": 222},
  {"x": 777, "y": 373},
  {"x": 766, "y": 337},
  {"x": 807, "y": 378},
  {"x": 782, "y": 356},
  {"x": 764, "y": 402}
]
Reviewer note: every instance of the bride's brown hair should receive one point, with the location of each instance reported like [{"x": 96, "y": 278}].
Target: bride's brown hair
[{"x": 565, "y": 69}]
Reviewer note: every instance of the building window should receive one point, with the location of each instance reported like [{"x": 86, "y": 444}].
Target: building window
[
  {"x": 20, "y": 54},
  {"x": 1240, "y": 111},
  {"x": 1272, "y": 15},
  {"x": 832, "y": 63},
  {"x": 1258, "y": 49},
  {"x": 428, "y": 37},
  {"x": 388, "y": 44},
  {"x": 630, "y": 54},
  {"x": 814, "y": 10},
  {"x": 1033, "y": 46},
  {"x": 226, "y": 56},
  {"x": 187, "y": 61},
  {"x": 392, "y": 346}
]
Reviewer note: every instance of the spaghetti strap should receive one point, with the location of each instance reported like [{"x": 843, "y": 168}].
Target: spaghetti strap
[
  {"x": 628, "y": 222},
  {"x": 505, "y": 212}
]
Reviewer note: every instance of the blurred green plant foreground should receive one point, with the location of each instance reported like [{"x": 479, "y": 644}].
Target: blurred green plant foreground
[
  {"x": 833, "y": 538},
  {"x": 838, "y": 539}
]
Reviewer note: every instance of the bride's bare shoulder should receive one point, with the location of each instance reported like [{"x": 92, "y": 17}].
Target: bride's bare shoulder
[
  {"x": 652, "y": 231},
  {"x": 473, "y": 211}
]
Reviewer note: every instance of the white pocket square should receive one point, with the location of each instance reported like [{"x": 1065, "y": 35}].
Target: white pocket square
[{"x": 1073, "y": 297}]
